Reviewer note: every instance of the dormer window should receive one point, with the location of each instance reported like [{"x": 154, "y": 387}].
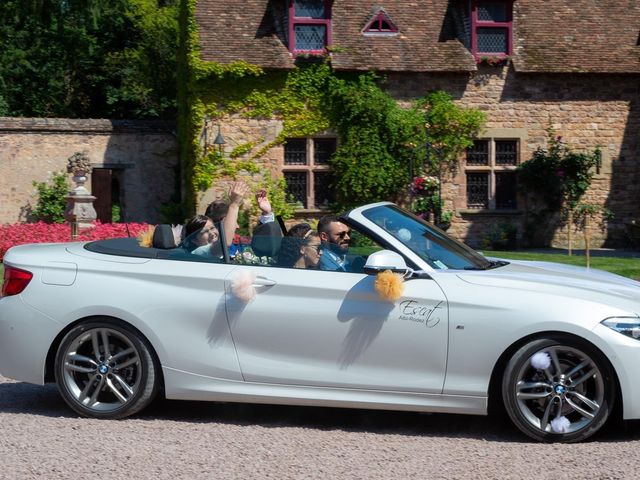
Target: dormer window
[
  {"x": 309, "y": 26},
  {"x": 491, "y": 28},
  {"x": 380, "y": 24}
]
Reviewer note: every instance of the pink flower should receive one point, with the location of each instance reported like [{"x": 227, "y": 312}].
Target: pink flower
[{"x": 40, "y": 232}]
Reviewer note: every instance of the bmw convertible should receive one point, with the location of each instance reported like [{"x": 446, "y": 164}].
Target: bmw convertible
[{"x": 115, "y": 324}]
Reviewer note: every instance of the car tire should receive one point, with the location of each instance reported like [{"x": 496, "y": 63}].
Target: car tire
[
  {"x": 569, "y": 400},
  {"x": 107, "y": 370}
]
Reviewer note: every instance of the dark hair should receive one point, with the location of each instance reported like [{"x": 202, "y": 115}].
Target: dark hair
[
  {"x": 217, "y": 210},
  {"x": 324, "y": 222},
  {"x": 297, "y": 236},
  {"x": 299, "y": 230},
  {"x": 194, "y": 224}
]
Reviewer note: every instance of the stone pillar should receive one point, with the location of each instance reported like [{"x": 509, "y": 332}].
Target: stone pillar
[{"x": 79, "y": 211}]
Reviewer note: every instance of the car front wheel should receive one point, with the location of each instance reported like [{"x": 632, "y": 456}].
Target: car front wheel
[
  {"x": 558, "y": 390},
  {"x": 106, "y": 370}
]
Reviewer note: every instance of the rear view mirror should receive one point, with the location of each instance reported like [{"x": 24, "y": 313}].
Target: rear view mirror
[{"x": 385, "y": 260}]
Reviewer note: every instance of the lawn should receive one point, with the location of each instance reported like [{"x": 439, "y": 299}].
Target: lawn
[{"x": 627, "y": 267}]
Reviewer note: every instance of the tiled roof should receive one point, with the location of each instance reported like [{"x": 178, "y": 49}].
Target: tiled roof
[
  {"x": 549, "y": 35},
  {"x": 577, "y": 36}
]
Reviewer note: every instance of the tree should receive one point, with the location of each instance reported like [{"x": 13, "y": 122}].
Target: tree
[{"x": 88, "y": 58}]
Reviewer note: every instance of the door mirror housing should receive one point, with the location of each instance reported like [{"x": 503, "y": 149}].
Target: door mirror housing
[{"x": 386, "y": 260}]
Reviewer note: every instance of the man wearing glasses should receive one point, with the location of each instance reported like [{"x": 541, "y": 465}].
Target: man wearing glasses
[{"x": 335, "y": 237}]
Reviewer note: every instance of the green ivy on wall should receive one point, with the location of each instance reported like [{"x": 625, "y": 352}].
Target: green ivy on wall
[{"x": 378, "y": 138}]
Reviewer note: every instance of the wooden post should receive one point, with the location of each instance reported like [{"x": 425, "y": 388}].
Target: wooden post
[
  {"x": 569, "y": 224},
  {"x": 586, "y": 239}
]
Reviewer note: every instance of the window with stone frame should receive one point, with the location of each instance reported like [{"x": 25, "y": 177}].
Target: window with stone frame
[
  {"x": 491, "y": 28},
  {"x": 307, "y": 171},
  {"x": 491, "y": 174},
  {"x": 309, "y": 26}
]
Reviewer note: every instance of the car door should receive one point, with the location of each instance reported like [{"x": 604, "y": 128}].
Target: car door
[{"x": 321, "y": 328}]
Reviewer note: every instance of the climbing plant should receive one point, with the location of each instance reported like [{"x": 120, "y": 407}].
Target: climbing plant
[
  {"x": 558, "y": 177},
  {"x": 378, "y": 137}
]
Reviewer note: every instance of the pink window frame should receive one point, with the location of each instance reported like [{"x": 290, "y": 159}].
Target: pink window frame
[
  {"x": 475, "y": 24},
  {"x": 293, "y": 21},
  {"x": 381, "y": 16}
]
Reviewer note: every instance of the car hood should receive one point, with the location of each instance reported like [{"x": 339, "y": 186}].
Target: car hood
[{"x": 562, "y": 280}]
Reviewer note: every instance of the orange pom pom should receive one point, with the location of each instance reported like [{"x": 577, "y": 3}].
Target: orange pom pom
[
  {"x": 145, "y": 238},
  {"x": 389, "y": 285}
]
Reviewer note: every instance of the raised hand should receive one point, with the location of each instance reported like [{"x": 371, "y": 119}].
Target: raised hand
[{"x": 263, "y": 202}]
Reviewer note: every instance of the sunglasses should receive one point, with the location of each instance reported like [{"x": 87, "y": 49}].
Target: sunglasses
[
  {"x": 344, "y": 233},
  {"x": 317, "y": 247}
]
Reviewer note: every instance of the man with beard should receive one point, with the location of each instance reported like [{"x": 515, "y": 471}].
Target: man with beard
[{"x": 335, "y": 237}]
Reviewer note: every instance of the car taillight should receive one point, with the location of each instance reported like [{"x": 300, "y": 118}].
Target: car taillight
[{"x": 15, "y": 281}]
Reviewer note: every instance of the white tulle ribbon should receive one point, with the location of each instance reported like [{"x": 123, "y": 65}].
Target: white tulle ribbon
[{"x": 242, "y": 285}]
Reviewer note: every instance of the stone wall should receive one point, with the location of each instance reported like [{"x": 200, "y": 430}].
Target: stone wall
[
  {"x": 145, "y": 152},
  {"x": 587, "y": 110}
]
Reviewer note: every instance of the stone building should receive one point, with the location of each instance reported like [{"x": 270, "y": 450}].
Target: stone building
[
  {"x": 134, "y": 164},
  {"x": 528, "y": 64}
]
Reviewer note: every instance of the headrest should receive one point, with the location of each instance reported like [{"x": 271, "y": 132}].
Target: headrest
[
  {"x": 266, "y": 240},
  {"x": 163, "y": 237}
]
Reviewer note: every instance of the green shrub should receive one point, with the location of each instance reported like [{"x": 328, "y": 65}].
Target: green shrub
[{"x": 51, "y": 199}]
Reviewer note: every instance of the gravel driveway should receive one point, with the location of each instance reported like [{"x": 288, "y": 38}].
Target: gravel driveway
[{"x": 41, "y": 438}]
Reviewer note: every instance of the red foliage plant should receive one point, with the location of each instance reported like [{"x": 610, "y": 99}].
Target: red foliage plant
[{"x": 40, "y": 232}]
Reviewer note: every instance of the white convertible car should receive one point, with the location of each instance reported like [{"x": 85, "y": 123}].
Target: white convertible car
[{"x": 115, "y": 324}]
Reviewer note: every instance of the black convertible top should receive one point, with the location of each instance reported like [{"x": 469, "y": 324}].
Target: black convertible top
[{"x": 129, "y": 247}]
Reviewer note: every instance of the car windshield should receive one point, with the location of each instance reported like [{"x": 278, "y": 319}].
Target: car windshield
[{"x": 428, "y": 242}]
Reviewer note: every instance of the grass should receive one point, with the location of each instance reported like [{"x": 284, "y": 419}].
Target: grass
[{"x": 627, "y": 267}]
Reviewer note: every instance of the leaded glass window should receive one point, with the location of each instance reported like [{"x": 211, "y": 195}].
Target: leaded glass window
[
  {"x": 322, "y": 188},
  {"x": 295, "y": 151},
  {"x": 477, "y": 190},
  {"x": 307, "y": 171},
  {"x": 310, "y": 37},
  {"x": 491, "y": 174},
  {"x": 323, "y": 148},
  {"x": 479, "y": 153},
  {"x": 297, "y": 186},
  {"x": 309, "y": 25},
  {"x": 491, "y": 28},
  {"x": 506, "y": 190},
  {"x": 492, "y": 40},
  {"x": 506, "y": 152},
  {"x": 492, "y": 12},
  {"x": 309, "y": 8}
]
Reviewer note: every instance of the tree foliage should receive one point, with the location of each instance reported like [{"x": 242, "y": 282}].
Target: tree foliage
[
  {"x": 88, "y": 58},
  {"x": 372, "y": 160}
]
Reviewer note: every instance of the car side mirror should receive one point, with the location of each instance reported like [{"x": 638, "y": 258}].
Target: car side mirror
[{"x": 386, "y": 260}]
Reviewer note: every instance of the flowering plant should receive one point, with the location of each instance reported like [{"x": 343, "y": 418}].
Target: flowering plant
[
  {"x": 493, "y": 61},
  {"x": 424, "y": 184},
  {"x": 41, "y": 232},
  {"x": 248, "y": 257}
]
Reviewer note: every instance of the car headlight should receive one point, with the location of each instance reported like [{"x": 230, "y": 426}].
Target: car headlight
[{"x": 629, "y": 326}]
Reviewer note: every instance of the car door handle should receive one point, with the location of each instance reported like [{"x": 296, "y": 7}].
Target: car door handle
[{"x": 263, "y": 282}]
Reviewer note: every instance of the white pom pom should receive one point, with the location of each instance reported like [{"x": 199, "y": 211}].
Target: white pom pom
[
  {"x": 560, "y": 424},
  {"x": 541, "y": 361},
  {"x": 242, "y": 285}
]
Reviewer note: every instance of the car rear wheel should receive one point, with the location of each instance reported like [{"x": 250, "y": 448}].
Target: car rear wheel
[
  {"x": 105, "y": 370},
  {"x": 558, "y": 390}
]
